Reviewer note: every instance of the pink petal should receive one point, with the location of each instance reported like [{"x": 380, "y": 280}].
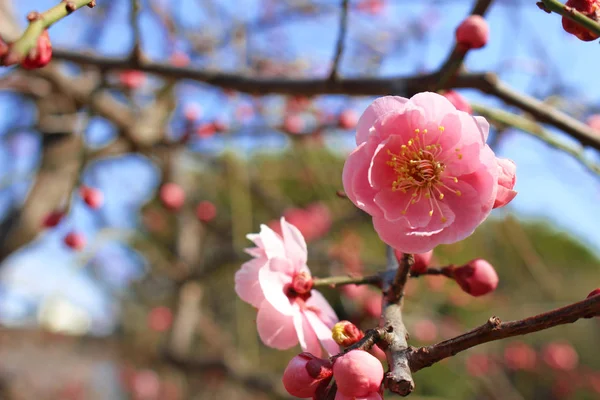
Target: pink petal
[
  {"x": 370, "y": 396},
  {"x": 271, "y": 242},
  {"x": 435, "y": 106},
  {"x": 380, "y": 174},
  {"x": 273, "y": 277},
  {"x": 484, "y": 127},
  {"x": 355, "y": 180},
  {"x": 318, "y": 303},
  {"x": 247, "y": 285},
  {"x": 323, "y": 333},
  {"x": 402, "y": 125},
  {"x": 380, "y": 107},
  {"x": 464, "y": 161},
  {"x": 474, "y": 129},
  {"x": 397, "y": 235},
  {"x": 506, "y": 182},
  {"x": 307, "y": 336},
  {"x": 295, "y": 246},
  {"x": 275, "y": 329},
  {"x": 256, "y": 252}
]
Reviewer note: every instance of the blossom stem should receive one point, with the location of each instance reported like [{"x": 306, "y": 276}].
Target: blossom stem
[
  {"x": 38, "y": 23},
  {"x": 335, "y": 281},
  {"x": 570, "y": 13}
]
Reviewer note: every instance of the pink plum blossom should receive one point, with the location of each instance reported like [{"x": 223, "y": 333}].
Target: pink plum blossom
[
  {"x": 422, "y": 170},
  {"x": 370, "y": 396},
  {"x": 305, "y": 374},
  {"x": 278, "y": 282}
]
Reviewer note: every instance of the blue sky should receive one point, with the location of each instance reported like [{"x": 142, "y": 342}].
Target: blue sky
[{"x": 527, "y": 48}]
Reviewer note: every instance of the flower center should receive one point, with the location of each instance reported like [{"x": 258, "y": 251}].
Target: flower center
[
  {"x": 300, "y": 287},
  {"x": 420, "y": 171}
]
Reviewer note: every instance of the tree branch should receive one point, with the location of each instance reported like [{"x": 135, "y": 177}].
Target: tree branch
[
  {"x": 339, "y": 48},
  {"x": 570, "y": 13},
  {"x": 494, "y": 329}
]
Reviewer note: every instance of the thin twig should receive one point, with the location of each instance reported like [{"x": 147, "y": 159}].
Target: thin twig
[
  {"x": 494, "y": 329},
  {"x": 339, "y": 48},
  {"x": 570, "y": 13}
]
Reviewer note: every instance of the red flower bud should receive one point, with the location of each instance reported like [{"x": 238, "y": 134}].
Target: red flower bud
[
  {"x": 348, "y": 119},
  {"x": 422, "y": 261},
  {"x": 172, "y": 196},
  {"x": 40, "y": 55},
  {"x": 477, "y": 278},
  {"x": 472, "y": 33},
  {"x": 293, "y": 124},
  {"x": 345, "y": 333},
  {"x": 75, "y": 240},
  {"x": 594, "y": 292},
  {"x": 305, "y": 373},
  {"x": 589, "y": 8},
  {"x": 560, "y": 356},
  {"x": 358, "y": 373},
  {"x": 458, "y": 101},
  {"x": 132, "y": 79},
  {"x": 206, "y": 211},
  {"x": 91, "y": 196},
  {"x": 52, "y": 219}
]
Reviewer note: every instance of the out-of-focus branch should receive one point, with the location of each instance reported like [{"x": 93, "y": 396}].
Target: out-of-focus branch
[
  {"x": 494, "y": 329},
  {"x": 571, "y": 13},
  {"x": 527, "y": 125},
  {"x": 339, "y": 48},
  {"x": 39, "y": 22},
  {"x": 407, "y": 86}
]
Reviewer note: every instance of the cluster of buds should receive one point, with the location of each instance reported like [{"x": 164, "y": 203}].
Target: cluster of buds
[{"x": 172, "y": 196}]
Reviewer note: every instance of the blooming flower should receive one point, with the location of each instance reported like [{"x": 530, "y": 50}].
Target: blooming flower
[
  {"x": 422, "y": 170},
  {"x": 278, "y": 282}
]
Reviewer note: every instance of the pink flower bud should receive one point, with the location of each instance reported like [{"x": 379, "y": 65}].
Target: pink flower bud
[
  {"x": 293, "y": 124},
  {"x": 425, "y": 330},
  {"x": 594, "y": 122},
  {"x": 589, "y": 8},
  {"x": 458, "y": 101},
  {"x": 421, "y": 263},
  {"x": 372, "y": 304},
  {"x": 560, "y": 356},
  {"x": 357, "y": 373},
  {"x": 477, "y": 278},
  {"x": 75, "y": 240},
  {"x": 370, "y": 396},
  {"x": 305, "y": 373},
  {"x": 345, "y": 333},
  {"x": 172, "y": 196},
  {"x": 506, "y": 182},
  {"x": 132, "y": 79},
  {"x": 354, "y": 291},
  {"x": 348, "y": 119},
  {"x": 160, "y": 319},
  {"x": 478, "y": 364},
  {"x": 91, "y": 196},
  {"x": 179, "y": 59},
  {"x": 472, "y": 33},
  {"x": 594, "y": 292},
  {"x": 146, "y": 385},
  {"x": 52, "y": 219},
  {"x": 520, "y": 356},
  {"x": 40, "y": 55},
  {"x": 302, "y": 283},
  {"x": 206, "y": 211},
  {"x": 206, "y": 130}
]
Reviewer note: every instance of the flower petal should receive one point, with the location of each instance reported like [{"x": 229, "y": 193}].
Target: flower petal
[
  {"x": 355, "y": 179},
  {"x": 435, "y": 106},
  {"x": 318, "y": 303},
  {"x": 271, "y": 242},
  {"x": 323, "y": 333},
  {"x": 247, "y": 285},
  {"x": 275, "y": 329},
  {"x": 295, "y": 246},
  {"x": 273, "y": 277},
  {"x": 377, "y": 109}
]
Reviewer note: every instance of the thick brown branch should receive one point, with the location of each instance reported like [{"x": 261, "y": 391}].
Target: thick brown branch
[{"x": 494, "y": 329}]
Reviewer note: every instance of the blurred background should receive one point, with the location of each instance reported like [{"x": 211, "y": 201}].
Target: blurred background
[{"x": 130, "y": 294}]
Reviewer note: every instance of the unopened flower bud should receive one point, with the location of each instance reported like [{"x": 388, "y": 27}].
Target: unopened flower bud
[
  {"x": 589, "y": 8},
  {"x": 52, "y": 219},
  {"x": 560, "y": 356},
  {"x": 422, "y": 261},
  {"x": 477, "y": 278},
  {"x": 305, "y": 373},
  {"x": 357, "y": 373},
  {"x": 40, "y": 55},
  {"x": 75, "y": 240},
  {"x": 348, "y": 119},
  {"x": 345, "y": 333},
  {"x": 172, "y": 196},
  {"x": 472, "y": 33},
  {"x": 593, "y": 293},
  {"x": 458, "y": 101},
  {"x": 91, "y": 196},
  {"x": 520, "y": 356},
  {"x": 302, "y": 283}
]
